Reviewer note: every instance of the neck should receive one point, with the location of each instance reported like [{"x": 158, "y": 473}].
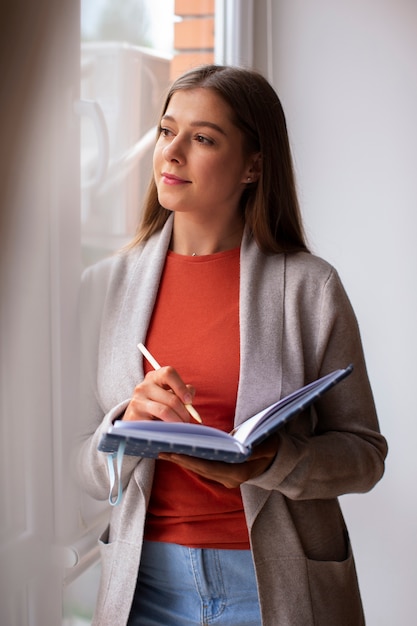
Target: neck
[{"x": 199, "y": 239}]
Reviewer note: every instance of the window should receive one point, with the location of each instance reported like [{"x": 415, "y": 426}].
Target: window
[{"x": 131, "y": 50}]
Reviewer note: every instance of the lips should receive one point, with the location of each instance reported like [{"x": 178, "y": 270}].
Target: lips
[{"x": 171, "y": 179}]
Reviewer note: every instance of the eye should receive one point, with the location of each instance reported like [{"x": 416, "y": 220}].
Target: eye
[
  {"x": 204, "y": 140},
  {"x": 164, "y": 132}
]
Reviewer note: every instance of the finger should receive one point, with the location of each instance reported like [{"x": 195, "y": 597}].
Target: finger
[
  {"x": 169, "y": 378},
  {"x": 162, "y": 405},
  {"x": 267, "y": 449},
  {"x": 153, "y": 398},
  {"x": 228, "y": 474},
  {"x": 211, "y": 470}
]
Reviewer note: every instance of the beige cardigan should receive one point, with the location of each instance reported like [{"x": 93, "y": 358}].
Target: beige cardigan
[{"x": 296, "y": 324}]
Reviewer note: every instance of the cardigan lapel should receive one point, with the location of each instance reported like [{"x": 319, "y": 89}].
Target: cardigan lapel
[
  {"x": 262, "y": 286},
  {"x": 262, "y": 289},
  {"x": 126, "y": 319}
]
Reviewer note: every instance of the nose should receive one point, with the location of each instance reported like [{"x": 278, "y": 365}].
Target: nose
[{"x": 174, "y": 152}]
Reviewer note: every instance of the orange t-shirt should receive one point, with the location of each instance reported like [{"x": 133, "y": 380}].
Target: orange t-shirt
[{"x": 195, "y": 328}]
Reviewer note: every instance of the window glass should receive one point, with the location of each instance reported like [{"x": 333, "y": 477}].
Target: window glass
[
  {"x": 126, "y": 53},
  {"x": 131, "y": 51},
  {"x": 138, "y": 22}
]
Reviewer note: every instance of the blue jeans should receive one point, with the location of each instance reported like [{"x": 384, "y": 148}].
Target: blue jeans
[{"x": 179, "y": 586}]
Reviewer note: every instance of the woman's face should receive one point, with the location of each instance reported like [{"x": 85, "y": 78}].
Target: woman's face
[{"x": 199, "y": 161}]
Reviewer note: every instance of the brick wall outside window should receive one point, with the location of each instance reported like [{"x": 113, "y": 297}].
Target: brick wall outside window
[{"x": 193, "y": 35}]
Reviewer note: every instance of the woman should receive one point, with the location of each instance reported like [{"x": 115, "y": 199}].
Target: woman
[{"x": 221, "y": 288}]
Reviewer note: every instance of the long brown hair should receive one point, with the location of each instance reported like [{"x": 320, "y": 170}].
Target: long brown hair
[{"x": 269, "y": 206}]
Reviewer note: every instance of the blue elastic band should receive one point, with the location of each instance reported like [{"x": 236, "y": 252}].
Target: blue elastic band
[{"x": 110, "y": 464}]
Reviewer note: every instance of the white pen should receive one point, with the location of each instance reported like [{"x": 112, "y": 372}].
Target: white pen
[{"x": 148, "y": 356}]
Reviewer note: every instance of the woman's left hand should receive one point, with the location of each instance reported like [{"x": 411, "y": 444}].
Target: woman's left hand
[{"x": 230, "y": 474}]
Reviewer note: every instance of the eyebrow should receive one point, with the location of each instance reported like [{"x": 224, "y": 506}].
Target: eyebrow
[{"x": 198, "y": 123}]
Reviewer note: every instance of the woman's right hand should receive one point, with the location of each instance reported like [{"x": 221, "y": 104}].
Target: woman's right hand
[{"x": 161, "y": 395}]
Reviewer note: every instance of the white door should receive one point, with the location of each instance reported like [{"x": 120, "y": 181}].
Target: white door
[{"x": 39, "y": 279}]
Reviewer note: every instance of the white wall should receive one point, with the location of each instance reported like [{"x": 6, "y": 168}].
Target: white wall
[{"x": 346, "y": 74}]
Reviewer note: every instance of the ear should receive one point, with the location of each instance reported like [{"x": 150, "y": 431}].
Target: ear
[{"x": 254, "y": 168}]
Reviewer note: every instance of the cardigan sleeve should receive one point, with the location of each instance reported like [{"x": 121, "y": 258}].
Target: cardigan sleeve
[
  {"x": 117, "y": 296},
  {"x": 90, "y": 465},
  {"x": 336, "y": 447}
]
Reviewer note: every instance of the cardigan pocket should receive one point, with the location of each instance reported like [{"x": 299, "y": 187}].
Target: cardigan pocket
[
  {"x": 335, "y": 592},
  {"x": 107, "y": 562}
]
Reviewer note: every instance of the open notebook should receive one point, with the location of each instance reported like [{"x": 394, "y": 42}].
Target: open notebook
[{"x": 150, "y": 438}]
